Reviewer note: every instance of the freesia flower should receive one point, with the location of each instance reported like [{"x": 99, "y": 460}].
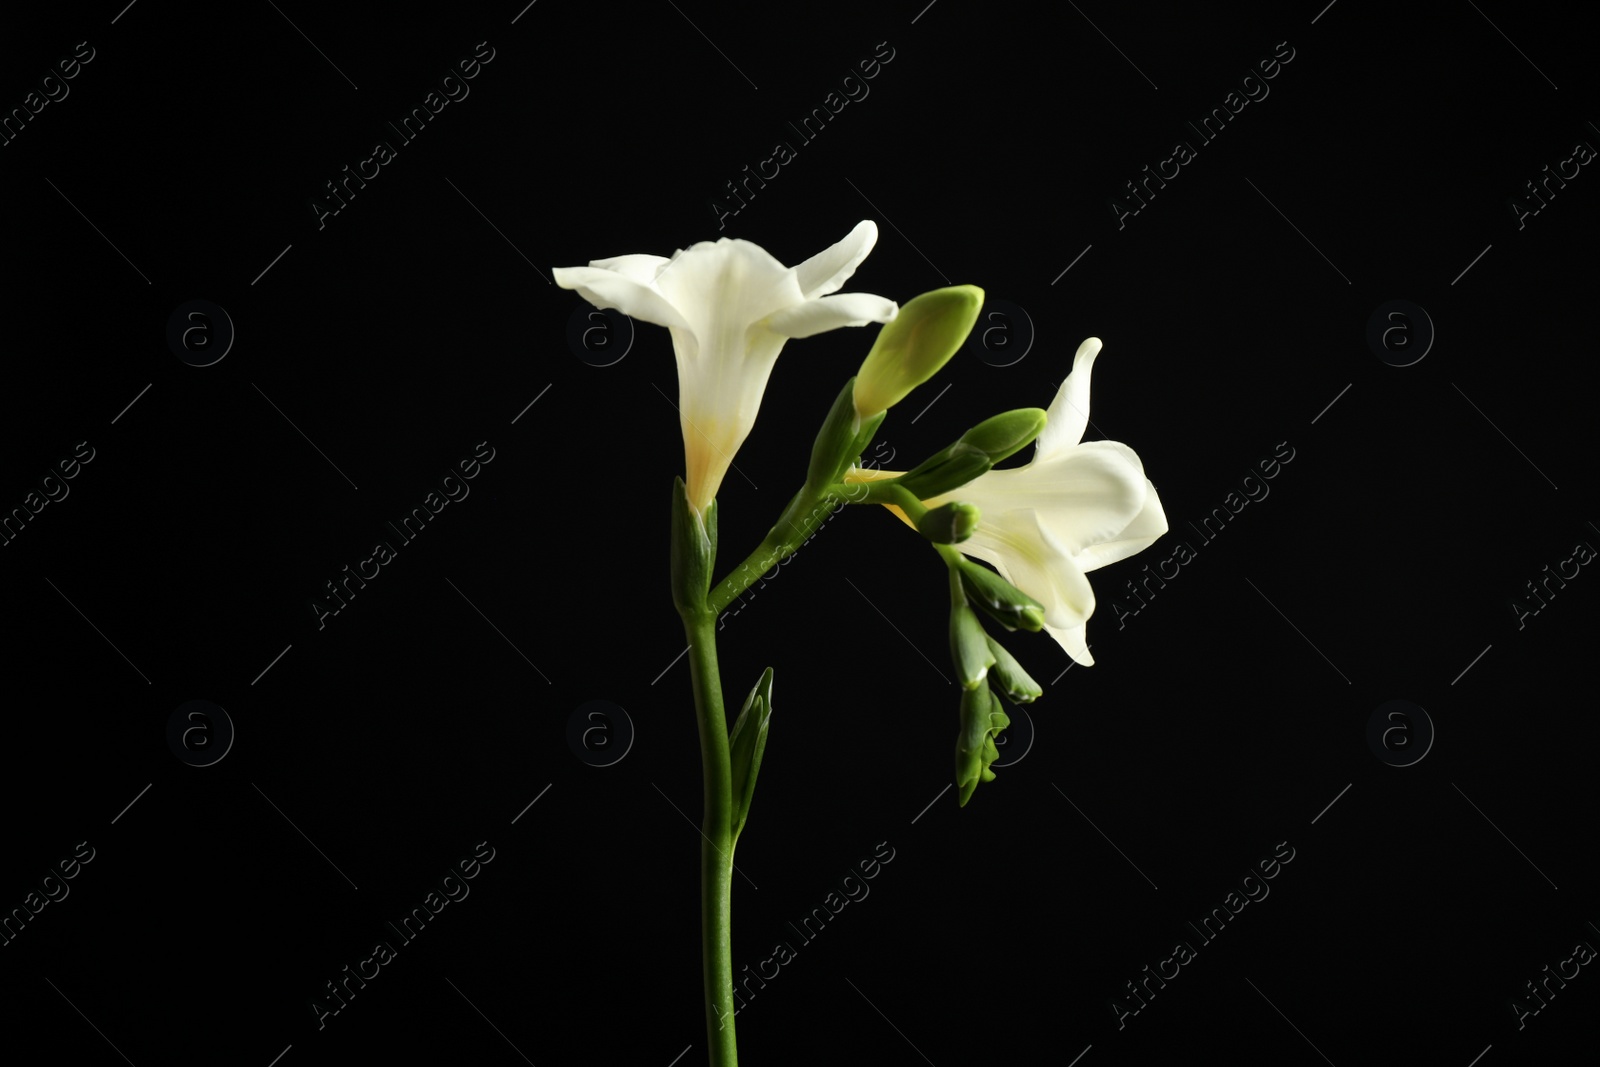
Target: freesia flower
[
  {"x": 730, "y": 307},
  {"x": 1075, "y": 508}
]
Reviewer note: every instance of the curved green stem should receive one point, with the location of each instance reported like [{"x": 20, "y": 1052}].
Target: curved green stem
[{"x": 716, "y": 844}]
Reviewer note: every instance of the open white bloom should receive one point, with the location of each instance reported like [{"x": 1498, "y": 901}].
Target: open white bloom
[
  {"x": 1075, "y": 508},
  {"x": 730, "y": 306}
]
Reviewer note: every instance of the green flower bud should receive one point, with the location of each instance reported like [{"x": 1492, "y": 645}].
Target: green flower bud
[
  {"x": 746, "y": 744},
  {"x": 947, "y": 469},
  {"x": 694, "y": 550},
  {"x": 950, "y": 523},
  {"x": 1016, "y": 683},
  {"x": 981, "y": 720},
  {"x": 843, "y": 437},
  {"x": 911, "y": 348},
  {"x": 1004, "y": 602},
  {"x": 969, "y": 646},
  {"x": 1006, "y": 433}
]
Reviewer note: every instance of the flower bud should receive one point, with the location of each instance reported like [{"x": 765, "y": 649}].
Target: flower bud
[
  {"x": 843, "y": 437},
  {"x": 947, "y": 469},
  {"x": 969, "y": 647},
  {"x": 1006, "y": 433},
  {"x": 949, "y": 524},
  {"x": 981, "y": 720},
  {"x": 746, "y": 744},
  {"x": 912, "y": 347},
  {"x": 1018, "y": 686},
  {"x": 1004, "y": 602}
]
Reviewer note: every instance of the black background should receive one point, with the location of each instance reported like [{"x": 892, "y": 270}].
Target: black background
[{"x": 379, "y": 349}]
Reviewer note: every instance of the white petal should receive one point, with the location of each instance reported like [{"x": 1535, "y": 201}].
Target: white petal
[
  {"x": 608, "y": 289},
  {"x": 829, "y": 269},
  {"x": 1071, "y": 640},
  {"x": 1030, "y": 557},
  {"x": 1139, "y": 535},
  {"x": 1069, "y": 411},
  {"x": 831, "y": 312},
  {"x": 636, "y": 268},
  {"x": 1084, "y": 496},
  {"x": 718, "y": 284}
]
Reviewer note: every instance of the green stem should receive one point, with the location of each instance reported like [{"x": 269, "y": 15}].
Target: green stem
[
  {"x": 716, "y": 844},
  {"x": 806, "y": 511}
]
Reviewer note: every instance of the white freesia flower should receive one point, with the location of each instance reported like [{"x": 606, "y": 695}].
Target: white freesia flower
[
  {"x": 730, "y": 306},
  {"x": 1075, "y": 508}
]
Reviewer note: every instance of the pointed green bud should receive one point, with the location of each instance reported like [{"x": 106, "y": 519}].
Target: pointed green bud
[
  {"x": 981, "y": 720},
  {"x": 1020, "y": 688},
  {"x": 843, "y": 437},
  {"x": 746, "y": 744},
  {"x": 1006, "y": 433},
  {"x": 1004, "y": 602},
  {"x": 969, "y": 646},
  {"x": 911, "y": 347},
  {"x": 950, "y": 523},
  {"x": 947, "y": 469},
  {"x": 694, "y": 550}
]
